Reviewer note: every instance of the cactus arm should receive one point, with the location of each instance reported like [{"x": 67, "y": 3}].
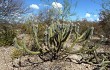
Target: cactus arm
[
  {"x": 86, "y": 34},
  {"x": 27, "y": 50},
  {"x": 76, "y": 39},
  {"x": 55, "y": 44},
  {"x": 83, "y": 35},
  {"x": 51, "y": 34},
  {"x": 73, "y": 44},
  {"x": 64, "y": 32},
  {"x": 66, "y": 36},
  {"x": 104, "y": 64},
  {"x": 76, "y": 31},
  {"x": 51, "y": 30},
  {"x": 16, "y": 44},
  {"x": 36, "y": 38}
]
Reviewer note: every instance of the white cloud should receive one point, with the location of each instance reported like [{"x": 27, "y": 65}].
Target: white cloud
[
  {"x": 34, "y": 6},
  {"x": 91, "y": 19},
  {"x": 57, "y": 5},
  {"x": 19, "y": 17},
  {"x": 98, "y": 19},
  {"x": 95, "y": 15},
  {"x": 88, "y": 15}
]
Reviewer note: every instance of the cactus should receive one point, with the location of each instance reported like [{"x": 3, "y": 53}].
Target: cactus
[
  {"x": 81, "y": 37},
  {"x": 56, "y": 36}
]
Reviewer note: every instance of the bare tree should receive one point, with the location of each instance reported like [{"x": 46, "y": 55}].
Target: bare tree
[
  {"x": 56, "y": 12},
  {"x": 105, "y": 17},
  {"x": 9, "y": 9}
]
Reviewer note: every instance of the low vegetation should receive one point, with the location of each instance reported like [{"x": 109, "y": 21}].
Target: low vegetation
[{"x": 7, "y": 34}]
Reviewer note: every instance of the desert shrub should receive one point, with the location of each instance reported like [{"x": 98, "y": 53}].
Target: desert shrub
[
  {"x": 26, "y": 28},
  {"x": 16, "y": 53},
  {"x": 104, "y": 16},
  {"x": 7, "y": 34}
]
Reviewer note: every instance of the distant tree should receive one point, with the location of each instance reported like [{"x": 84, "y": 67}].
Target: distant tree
[
  {"x": 105, "y": 17},
  {"x": 56, "y": 12},
  {"x": 10, "y": 9}
]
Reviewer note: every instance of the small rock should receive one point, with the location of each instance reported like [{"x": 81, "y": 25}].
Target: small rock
[{"x": 75, "y": 57}]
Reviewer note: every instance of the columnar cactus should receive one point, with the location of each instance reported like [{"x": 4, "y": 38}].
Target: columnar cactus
[{"x": 55, "y": 37}]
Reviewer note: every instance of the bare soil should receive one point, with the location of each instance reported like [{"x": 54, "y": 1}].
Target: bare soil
[{"x": 6, "y": 63}]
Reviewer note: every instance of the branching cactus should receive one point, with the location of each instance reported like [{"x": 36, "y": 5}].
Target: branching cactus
[
  {"x": 86, "y": 35},
  {"x": 55, "y": 37}
]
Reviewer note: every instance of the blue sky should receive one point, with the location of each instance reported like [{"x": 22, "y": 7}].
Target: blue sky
[{"x": 85, "y": 8}]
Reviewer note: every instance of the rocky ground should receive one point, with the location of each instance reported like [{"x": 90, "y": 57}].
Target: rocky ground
[
  {"x": 6, "y": 63},
  {"x": 5, "y": 59}
]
